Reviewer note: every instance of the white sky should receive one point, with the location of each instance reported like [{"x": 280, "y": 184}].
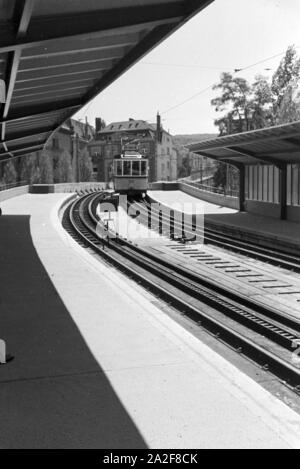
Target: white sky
[{"x": 228, "y": 34}]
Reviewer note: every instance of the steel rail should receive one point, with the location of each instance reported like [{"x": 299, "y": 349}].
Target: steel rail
[{"x": 84, "y": 221}]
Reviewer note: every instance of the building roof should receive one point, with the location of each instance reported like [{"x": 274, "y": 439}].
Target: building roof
[
  {"x": 56, "y": 55},
  {"x": 127, "y": 126},
  {"x": 273, "y": 145}
]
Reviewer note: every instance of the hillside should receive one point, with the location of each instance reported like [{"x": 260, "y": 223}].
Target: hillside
[{"x": 191, "y": 138}]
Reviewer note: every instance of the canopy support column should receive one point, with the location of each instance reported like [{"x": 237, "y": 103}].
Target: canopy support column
[
  {"x": 242, "y": 187},
  {"x": 283, "y": 190}
]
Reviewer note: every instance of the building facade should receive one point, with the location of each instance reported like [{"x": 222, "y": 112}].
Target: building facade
[
  {"x": 72, "y": 136},
  {"x": 151, "y": 140}
]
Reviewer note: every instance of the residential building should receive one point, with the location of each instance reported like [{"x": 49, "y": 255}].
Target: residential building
[{"x": 151, "y": 139}]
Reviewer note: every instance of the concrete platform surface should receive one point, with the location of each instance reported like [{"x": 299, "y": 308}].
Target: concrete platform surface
[
  {"x": 98, "y": 365},
  {"x": 278, "y": 229}
]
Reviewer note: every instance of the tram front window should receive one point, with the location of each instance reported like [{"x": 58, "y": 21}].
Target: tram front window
[
  {"x": 127, "y": 168},
  {"x": 119, "y": 168},
  {"x": 135, "y": 168},
  {"x": 143, "y": 168}
]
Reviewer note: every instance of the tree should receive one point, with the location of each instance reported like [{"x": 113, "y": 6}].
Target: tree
[
  {"x": 62, "y": 166},
  {"x": 289, "y": 109},
  {"x": 185, "y": 168},
  {"x": 286, "y": 75},
  {"x": 29, "y": 170},
  {"x": 85, "y": 166},
  {"x": 235, "y": 100},
  {"x": 220, "y": 175},
  {"x": 261, "y": 104},
  {"x": 46, "y": 167},
  {"x": 9, "y": 173}
]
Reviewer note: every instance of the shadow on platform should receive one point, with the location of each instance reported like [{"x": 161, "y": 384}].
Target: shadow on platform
[{"x": 53, "y": 394}]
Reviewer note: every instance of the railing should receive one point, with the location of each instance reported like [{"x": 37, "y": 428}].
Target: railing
[
  {"x": 5, "y": 187},
  {"x": 215, "y": 190}
]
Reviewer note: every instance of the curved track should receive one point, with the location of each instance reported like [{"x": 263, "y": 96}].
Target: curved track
[{"x": 263, "y": 334}]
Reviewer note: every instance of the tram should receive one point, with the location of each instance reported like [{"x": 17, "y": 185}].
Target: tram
[{"x": 130, "y": 173}]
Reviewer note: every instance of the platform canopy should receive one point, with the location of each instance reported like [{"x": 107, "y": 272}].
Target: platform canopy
[
  {"x": 56, "y": 55},
  {"x": 274, "y": 145}
]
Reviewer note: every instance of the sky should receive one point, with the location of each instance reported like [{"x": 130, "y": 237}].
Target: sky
[{"x": 170, "y": 79}]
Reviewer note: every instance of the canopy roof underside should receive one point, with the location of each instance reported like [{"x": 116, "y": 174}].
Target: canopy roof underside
[
  {"x": 57, "y": 55},
  {"x": 274, "y": 145}
]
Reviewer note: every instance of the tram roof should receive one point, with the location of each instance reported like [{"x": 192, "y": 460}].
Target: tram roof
[
  {"x": 55, "y": 56},
  {"x": 273, "y": 145}
]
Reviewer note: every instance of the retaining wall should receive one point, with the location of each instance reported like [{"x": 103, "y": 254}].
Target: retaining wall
[
  {"x": 66, "y": 187},
  {"x": 14, "y": 192}
]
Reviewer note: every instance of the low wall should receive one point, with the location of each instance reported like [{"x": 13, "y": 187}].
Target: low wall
[
  {"x": 66, "y": 187},
  {"x": 217, "y": 199},
  {"x": 272, "y": 210},
  {"x": 293, "y": 213},
  {"x": 267, "y": 209},
  {"x": 163, "y": 186},
  {"x": 14, "y": 192}
]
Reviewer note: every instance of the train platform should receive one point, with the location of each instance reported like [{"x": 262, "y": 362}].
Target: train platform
[
  {"x": 98, "y": 364},
  {"x": 246, "y": 225}
]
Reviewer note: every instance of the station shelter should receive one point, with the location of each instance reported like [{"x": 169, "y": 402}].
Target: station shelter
[{"x": 268, "y": 161}]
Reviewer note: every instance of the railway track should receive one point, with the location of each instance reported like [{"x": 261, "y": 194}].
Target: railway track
[
  {"x": 210, "y": 236},
  {"x": 260, "y": 333}
]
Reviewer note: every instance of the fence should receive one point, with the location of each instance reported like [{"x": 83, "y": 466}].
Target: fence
[
  {"x": 215, "y": 190},
  {"x": 218, "y": 197}
]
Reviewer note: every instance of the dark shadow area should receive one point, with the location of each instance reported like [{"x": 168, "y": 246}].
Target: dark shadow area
[{"x": 53, "y": 394}]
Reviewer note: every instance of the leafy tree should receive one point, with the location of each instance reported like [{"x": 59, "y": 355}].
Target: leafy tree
[
  {"x": 220, "y": 175},
  {"x": 9, "y": 173},
  {"x": 286, "y": 75},
  {"x": 261, "y": 103},
  {"x": 289, "y": 109},
  {"x": 29, "y": 169},
  {"x": 46, "y": 167},
  {"x": 85, "y": 166},
  {"x": 235, "y": 99},
  {"x": 185, "y": 168},
  {"x": 62, "y": 166}
]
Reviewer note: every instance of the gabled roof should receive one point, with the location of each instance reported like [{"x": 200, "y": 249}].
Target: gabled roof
[
  {"x": 272, "y": 145},
  {"x": 126, "y": 126},
  {"x": 57, "y": 55}
]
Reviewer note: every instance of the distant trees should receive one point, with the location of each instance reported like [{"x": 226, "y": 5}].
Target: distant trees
[
  {"x": 29, "y": 169},
  {"x": 46, "y": 167},
  {"x": 9, "y": 173},
  {"x": 284, "y": 80},
  {"x": 185, "y": 169},
  {"x": 62, "y": 166},
  {"x": 85, "y": 165},
  {"x": 260, "y": 104},
  {"x": 65, "y": 158},
  {"x": 233, "y": 98}
]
